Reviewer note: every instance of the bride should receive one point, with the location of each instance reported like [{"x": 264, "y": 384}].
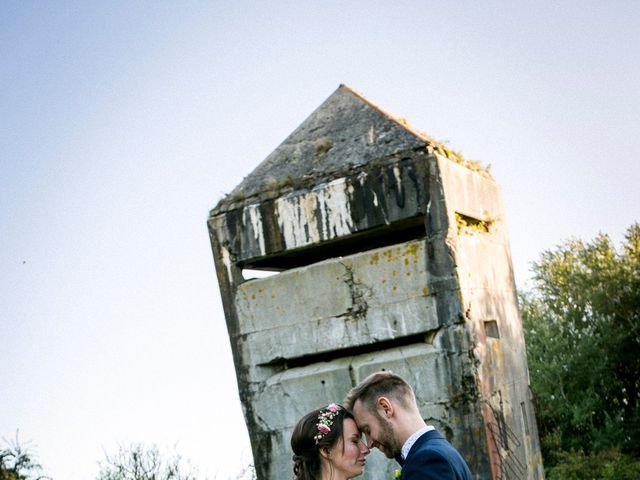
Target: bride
[{"x": 327, "y": 445}]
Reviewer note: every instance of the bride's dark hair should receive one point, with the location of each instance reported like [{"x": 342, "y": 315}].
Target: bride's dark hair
[{"x": 307, "y": 440}]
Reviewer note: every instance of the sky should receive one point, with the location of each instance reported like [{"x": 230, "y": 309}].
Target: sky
[{"x": 123, "y": 123}]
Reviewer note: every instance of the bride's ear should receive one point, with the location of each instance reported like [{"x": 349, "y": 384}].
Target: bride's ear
[{"x": 325, "y": 452}]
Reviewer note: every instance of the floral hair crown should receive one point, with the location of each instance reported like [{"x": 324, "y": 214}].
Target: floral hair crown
[{"x": 325, "y": 420}]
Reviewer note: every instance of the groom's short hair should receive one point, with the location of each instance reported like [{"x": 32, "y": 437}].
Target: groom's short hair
[{"x": 381, "y": 384}]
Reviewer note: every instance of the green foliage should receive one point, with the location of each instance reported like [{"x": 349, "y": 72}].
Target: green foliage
[
  {"x": 138, "y": 462},
  {"x": 582, "y": 327},
  {"x": 135, "y": 462},
  {"x": 607, "y": 465},
  {"x": 18, "y": 463}
]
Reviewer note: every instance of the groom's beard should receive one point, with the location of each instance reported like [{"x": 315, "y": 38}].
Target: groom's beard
[{"x": 387, "y": 442}]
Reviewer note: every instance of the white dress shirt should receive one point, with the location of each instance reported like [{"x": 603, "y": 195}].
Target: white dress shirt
[{"x": 412, "y": 439}]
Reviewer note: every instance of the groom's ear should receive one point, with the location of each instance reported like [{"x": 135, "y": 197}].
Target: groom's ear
[{"x": 385, "y": 407}]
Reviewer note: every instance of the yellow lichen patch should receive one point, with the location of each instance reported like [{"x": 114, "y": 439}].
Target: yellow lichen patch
[
  {"x": 467, "y": 224},
  {"x": 375, "y": 258},
  {"x": 408, "y": 274},
  {"x": 406, "y": 261},
  {"x": 425, "y": 291},
  {"x": 394, "y": 273},
  {"x": 412, "y": 249}
]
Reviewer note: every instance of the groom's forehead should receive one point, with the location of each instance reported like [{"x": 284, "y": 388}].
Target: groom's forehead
[
  {"x": 361, "y": 414},
  {"x": 358, "y": 408}
]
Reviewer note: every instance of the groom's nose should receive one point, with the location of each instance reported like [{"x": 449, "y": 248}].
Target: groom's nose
[
  {"x": 366, "y": 448},
  {"x": 368, "y": 441}
]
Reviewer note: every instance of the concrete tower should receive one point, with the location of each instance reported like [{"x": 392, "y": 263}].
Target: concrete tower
[{"x": 392, "y": 253}]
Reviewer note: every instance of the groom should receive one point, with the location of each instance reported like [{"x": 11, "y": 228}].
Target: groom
[{"x": 385, "y": 409}]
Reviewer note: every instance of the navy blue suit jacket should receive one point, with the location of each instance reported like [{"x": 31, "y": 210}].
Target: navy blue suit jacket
[{"x": 433, "y": 458}]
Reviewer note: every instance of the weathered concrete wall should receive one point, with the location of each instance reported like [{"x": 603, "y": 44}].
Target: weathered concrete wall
[
  {"x": 338, "y": 303},
  {"x": 374, "y": 196},
  {"x": 370, "y": 298},
  {"x": 397, "y": 258},
  {"x": 483, "y": 262}
]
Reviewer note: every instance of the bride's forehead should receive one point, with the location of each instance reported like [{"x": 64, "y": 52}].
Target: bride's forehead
[{"x": 350, "y": 426}]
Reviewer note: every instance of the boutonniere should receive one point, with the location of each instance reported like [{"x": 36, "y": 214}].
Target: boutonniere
[{"x": 398, "y": 474}]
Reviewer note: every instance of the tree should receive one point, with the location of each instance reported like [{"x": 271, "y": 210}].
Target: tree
[
  {"x": 18, "y": 463},
  {"x": 138, "y": 462},
  {"x": 582, "y": 328}
]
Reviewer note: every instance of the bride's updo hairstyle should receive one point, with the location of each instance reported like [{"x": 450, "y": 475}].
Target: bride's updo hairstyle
[{"x": 318, "y": 429}]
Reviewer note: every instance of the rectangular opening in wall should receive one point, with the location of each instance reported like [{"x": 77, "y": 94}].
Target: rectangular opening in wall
[
  {"x": 468, "y": 225},
  {"x": 491, "y": 329},
  {"x": 250, "y": 274},
  {"x": 418, "y": 338},
  {"x": 525, "y": 422}
]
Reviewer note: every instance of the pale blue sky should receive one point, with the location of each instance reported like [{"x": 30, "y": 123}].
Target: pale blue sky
[{"x": 123, "y": 123}]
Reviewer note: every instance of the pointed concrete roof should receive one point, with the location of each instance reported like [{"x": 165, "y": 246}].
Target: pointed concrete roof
[{"x": 345, "y": 132}]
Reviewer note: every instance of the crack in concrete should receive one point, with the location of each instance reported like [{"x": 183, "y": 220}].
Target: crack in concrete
[{"x": 359, "y": 291}]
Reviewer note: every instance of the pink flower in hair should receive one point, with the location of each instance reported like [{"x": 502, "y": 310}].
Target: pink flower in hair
[
  {"x": 325, "y": 420},
  {"x": 322, "y": 428}
]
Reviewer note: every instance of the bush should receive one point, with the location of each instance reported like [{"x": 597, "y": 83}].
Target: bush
[
  {"x": 582, "y": 327},
  {"x": 140, "y": 462},
  {"x": 17, "y": 462},
  {"x": 607, "y": 465}
]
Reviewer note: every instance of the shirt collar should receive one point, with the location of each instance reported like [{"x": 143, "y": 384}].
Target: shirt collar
[{"x": 412, "y": 439}]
